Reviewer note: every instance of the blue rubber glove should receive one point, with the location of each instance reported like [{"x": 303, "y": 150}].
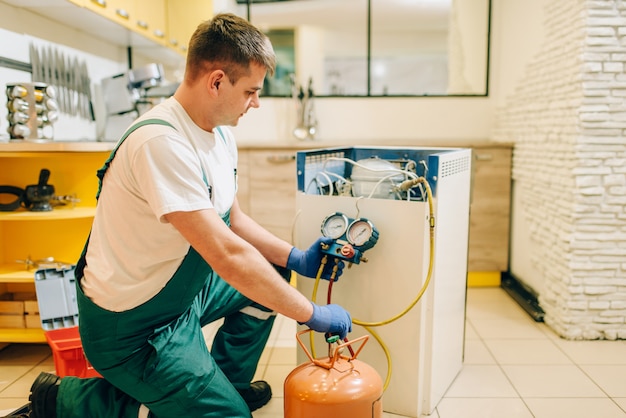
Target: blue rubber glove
[
  {"x": 332, "y": 319},
  {"x": 307, "y": 263}
]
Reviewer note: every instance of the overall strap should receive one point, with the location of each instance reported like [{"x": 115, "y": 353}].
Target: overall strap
[
  {"x": 82, "y": 262},
  {"x": 130, "y": 130}
]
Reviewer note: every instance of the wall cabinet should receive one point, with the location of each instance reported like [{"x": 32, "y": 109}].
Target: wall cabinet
[
  {"x": 151, "y": 20},
  {"x": 183, "y": 21},
  {"x": 157, "y": 29},
  {"x": 267, "y": 188},
  {"x": 119, "y": 11},
  {"x": 60, "y": 233}
]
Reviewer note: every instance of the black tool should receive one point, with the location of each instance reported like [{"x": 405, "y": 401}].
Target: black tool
[{"x": 37, "y": 196}]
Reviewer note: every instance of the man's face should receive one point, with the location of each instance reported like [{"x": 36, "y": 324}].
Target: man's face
[{"x": 235, "y": 100}]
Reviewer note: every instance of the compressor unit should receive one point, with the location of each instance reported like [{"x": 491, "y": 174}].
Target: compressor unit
[{"x": 420, "y": 232}]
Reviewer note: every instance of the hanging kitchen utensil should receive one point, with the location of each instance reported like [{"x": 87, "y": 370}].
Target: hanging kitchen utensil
[
  {"x": 311, "y": 119},
  {"x": 75, "y": 86},
  {"x": 54, "y": 69},
  {"x": 34, "y": 62},
  {"x": 49, "y": 65},
  {"x": 78, "y": 111},
  {"x": 44, "y": 65},
  {"x": 68, "y": 83},
  {"x": 87, "y": 90},
  {"x": 62, "y": 81},
  {"x": 300, "y": 132}
]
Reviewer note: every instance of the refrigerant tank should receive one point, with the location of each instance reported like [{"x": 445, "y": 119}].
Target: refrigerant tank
[{"x": 336, "y": 387}]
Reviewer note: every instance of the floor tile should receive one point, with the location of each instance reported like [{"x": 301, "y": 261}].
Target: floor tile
[
  {"x": 9, "y": 405},
  {"x": 610, "y": 378},
  {"x": 27, "y": 354},
  {"x": 621, "y": 402},
  {"x": 470, "y": 332},
  {"x": 285, "y": 335},
  {"x": 481, "y": 381},
  {"x": 492, "y": 303},
  {"x": 283, "y": 356},
  {"x": 574, "y": 408},
  {"x": 507, "y": 328},
  {"x": 526, "y": 352},
  {"x": 513, "y": 368},
  {"x": 483, "y": 408},
  {"x": 275, "y": 375},
  {"x": 11, "y": 374},
  {"x": 552, "y": 381},
  {"x": 548, "y": 332},
  {"x": 476, "y": 352},
  {"x": 21, "y": 386},
  {"x": 274, "y": 409},
  {"x": 594, "y": 352}
]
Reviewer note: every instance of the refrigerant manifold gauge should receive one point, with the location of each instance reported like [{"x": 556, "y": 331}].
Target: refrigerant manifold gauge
[{"x": 351, "y": 237}]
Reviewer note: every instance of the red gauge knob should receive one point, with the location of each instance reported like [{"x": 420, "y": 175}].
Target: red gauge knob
[{"x": 347, "y": 251}]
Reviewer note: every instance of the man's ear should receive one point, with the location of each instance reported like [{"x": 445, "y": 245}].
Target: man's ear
[{"x": 215, "y": 80}]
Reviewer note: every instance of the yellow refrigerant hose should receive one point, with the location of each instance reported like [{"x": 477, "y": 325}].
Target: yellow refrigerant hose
[{"x": 406, "y": 185}]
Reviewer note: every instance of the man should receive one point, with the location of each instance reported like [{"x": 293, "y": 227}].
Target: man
[{"x": 171, "y": 251}]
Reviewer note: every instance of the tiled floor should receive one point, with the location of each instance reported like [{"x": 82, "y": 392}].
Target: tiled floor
[{"x": 514, "y": 368}]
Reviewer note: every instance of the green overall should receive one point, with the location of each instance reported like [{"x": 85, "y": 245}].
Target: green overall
[{"x": 155, "y": 354}]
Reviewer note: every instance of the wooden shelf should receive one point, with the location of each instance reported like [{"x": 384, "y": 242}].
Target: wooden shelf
[
  {"x": 55, "y": 146},
  {"x": 22, "y": 335},
  {"x": 54, "y": 215},
  {"x": 59, "y": 234},
  {"x": 16, "y": 273}
]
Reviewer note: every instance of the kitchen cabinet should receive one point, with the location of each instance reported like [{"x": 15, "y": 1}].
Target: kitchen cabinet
[
  {"x": 60, "y": 233},
  {"x": 490, "y": 209},
  {"x": 267, "y": 189},
  {"x": 121, "y": 12},
  {"x": 183, "y": 17},
  {"x": 156, "y": 29},
  {"x": 151, "y": 20},
  {"x": 145, "y": 17}
]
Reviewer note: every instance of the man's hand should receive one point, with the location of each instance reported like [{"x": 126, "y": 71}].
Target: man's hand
[
  {"x": 307, "y": 263},
  {"x": 332, "y": 319}
]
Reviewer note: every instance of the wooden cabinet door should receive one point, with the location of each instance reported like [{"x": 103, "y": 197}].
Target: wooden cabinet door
[
  {"x": 490, "y": 210},
  {"x": 272, "y": 190}
]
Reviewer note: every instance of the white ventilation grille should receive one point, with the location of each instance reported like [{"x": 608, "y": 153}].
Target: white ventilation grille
[{"x": 454, "y": 166}]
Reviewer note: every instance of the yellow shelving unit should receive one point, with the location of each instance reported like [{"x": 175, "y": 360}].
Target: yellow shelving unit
[{"x": 60, "y": 233}]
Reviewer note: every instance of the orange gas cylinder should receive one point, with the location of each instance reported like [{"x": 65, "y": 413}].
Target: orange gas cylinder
[{"x": 338, "y": 387}]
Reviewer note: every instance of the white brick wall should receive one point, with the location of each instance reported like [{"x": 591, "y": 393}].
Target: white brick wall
[{"x": 568, "y": 122}]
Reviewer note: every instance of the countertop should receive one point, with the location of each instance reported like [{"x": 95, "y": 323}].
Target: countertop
[
  {"x": 95, "y": 146},
  {"x": 296, "y": 145},
  {"x": 56, "y": 146}
]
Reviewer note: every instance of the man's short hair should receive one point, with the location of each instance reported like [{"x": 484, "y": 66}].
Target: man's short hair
[{"x": 229, "y": 43}]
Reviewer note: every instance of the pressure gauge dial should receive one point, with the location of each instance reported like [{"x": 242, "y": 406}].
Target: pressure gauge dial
[
  {"x": 334, "y": 225},
  {"x": 361, "y": 233}
]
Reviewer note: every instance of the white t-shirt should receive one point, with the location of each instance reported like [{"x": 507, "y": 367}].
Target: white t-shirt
[{"x": 133, "y": 251}]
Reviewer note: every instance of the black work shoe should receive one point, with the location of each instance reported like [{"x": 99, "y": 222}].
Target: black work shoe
[
  {"x": 43, "y": 396},
  {"x": 258, "y": 394}
]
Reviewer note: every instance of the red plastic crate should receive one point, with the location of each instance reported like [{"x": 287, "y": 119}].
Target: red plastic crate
[{"x": 68, "y": 354}]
